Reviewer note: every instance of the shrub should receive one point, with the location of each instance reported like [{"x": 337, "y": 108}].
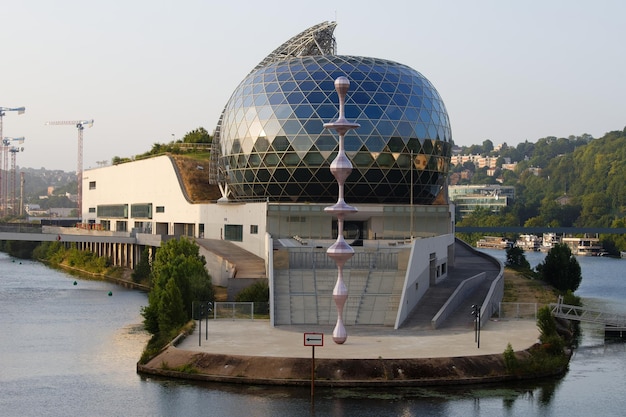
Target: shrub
[
  {"x": 560, "y": 269},
  {"x": 510, "y": 360},
  {"x": 546, "y": 324}
]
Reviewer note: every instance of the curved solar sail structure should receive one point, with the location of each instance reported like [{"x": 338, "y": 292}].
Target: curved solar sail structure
[{"x": 316, "y": 40}]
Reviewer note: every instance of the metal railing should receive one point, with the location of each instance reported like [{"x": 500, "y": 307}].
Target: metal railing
[
  {"x": 588, "y": 315},
  {"x": 240, "y": 311},
  {"x": 525, "y": 311}
]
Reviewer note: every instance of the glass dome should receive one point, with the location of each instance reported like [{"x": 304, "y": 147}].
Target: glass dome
[{"x": 274, "y": 145}]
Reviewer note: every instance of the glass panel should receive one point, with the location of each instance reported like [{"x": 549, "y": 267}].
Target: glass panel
[
  {"x": 313, "y": 159},
  {"x": 363, "y": 159},
  {"x": 263, "y": 175},
  {"x": 295, "y": 98},
  {"x": 280, "y": 143},
  {"x": 292, "y": 127},
  {"x": 385, "y": 160},
  {"x": 270, "y": 160},
  {"x": 302, "y": 142},
  {"x": 327, "y": 112},
  {"x": 373, "y": 112},
  {"x": 254, "y": 160},
  {"x": 396, "y": 144},
  {"x": 374, "y": 144},
  {"x": 283, "y": 112},
  {"x": 385, "y": 128},
  {"x": 316, "y": 97},
  {"x": 291, "y": 159},
  {"x": 304, "y": 111},
  {"x": 261, "y": 144},
  {"x": 326, "y": 143},
  {"x": 281, "y": 175}
]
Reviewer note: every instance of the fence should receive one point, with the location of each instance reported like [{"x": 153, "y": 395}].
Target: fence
[
  {"x": 240, "y": 311},
  {"x": 527, "y": 311}
]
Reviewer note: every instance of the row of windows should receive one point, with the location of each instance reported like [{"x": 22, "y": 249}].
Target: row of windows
[{"x": 137, "y": 211}]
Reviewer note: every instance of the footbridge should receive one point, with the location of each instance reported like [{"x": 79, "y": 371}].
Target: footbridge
[{"x": 610, "y": 320}]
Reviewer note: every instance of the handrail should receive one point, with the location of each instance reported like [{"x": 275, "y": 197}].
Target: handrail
[{"x": 588, "y": 315}]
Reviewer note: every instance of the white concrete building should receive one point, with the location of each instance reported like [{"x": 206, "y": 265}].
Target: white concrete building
[{"x": 400, "y": 257}]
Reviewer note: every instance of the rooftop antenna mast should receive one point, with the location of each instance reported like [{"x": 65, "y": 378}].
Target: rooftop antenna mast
[
  {"x": 4, "y": 148},
  {"x": 80, "y": 125}
]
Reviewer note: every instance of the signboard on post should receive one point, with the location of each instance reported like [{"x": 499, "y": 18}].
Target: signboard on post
[{"x": 314, "y": 339}]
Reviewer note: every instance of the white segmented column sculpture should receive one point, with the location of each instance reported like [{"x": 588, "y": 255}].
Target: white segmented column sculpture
[{"x": 340, "y": 251}]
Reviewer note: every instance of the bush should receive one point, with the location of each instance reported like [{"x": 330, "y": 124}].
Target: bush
[
  {"x": 143, "y": 269},
  {"x": 259, "y": 292},
  {"x": 179, "y": 278},
  {"x": 516, "y": 259},
  {"x": 546, "y": 324},
  {"x": 510, "y": 360},
  {"x": 560, "y": 269}
]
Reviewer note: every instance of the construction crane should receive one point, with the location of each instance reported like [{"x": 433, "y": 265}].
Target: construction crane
[
  {"x": 80, "y": 125},
  {"x": 4, "y": 150},
  {"x": 14, "y": 150}
]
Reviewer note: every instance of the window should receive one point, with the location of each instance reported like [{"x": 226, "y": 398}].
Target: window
[
  {"x": 141, "y": 211},
  {"x": 92, "y": 209},
  {"x": 233, "y": 232},
  {"x": 92, "y": 185},
  {"x": 254, "y": 229},
  {"x": 113, "y": 210},
  {"x": 160, "y": 209},
  {"x": 121, "y": 226}
]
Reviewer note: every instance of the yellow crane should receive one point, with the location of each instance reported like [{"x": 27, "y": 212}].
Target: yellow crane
[{"x": 80, "y": 125}]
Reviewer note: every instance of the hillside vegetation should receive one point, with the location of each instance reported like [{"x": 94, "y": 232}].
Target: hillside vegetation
[{"x": 580, "y": 182}]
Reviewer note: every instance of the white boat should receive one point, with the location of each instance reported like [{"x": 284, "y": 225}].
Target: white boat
[
  {"x": 529, "y": 243},
  {"x": 548, "y": 241},
  {"x": 585, "y": 246},
  {"x": 494, "y": 242}
]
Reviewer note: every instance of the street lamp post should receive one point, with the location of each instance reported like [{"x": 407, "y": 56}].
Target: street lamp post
[{"x": 476, "y": 314}]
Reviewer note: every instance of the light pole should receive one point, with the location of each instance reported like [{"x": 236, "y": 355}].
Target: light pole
[{"x": 476, "y": 314}]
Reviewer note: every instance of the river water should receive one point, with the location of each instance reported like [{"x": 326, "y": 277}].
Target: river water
[{"x": 68, "y": 348}]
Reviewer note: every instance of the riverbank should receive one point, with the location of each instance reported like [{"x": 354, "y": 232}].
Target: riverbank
[
  {"x": 247, "y": 352},
  {"x": 253, "y": 352},
  {"x": 124, "y": 281}
]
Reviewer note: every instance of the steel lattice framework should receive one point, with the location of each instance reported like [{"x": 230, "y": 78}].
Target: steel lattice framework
[{"x": 316, "y": 40}]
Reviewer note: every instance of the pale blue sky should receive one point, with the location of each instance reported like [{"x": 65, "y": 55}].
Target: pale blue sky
[{"x": 144, "y": 70}]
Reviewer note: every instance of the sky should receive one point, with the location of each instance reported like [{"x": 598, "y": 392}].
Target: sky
[{"x": 151, "y": 71}]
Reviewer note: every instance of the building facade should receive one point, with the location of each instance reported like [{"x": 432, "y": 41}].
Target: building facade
[{"x": 271, "y": 157}]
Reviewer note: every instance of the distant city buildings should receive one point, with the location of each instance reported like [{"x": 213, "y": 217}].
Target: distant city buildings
[{"x": 468, "y": 198}]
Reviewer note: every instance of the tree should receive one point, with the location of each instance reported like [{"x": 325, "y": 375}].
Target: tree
[
  {"x": 178, "y": 264},
  {"x": 171, "y": 310},
  {"x": 199, "y": 135},
  {"x": 487, "y": 146},
  {"x": 142, "y": 269},
  {"x": 560, "y": 269},
  {"x": 259, "y": 292},
  {"x": 516, "y": 259}
]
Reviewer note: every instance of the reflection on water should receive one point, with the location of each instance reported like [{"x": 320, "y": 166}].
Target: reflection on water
[{"x": 71, "y": 350}]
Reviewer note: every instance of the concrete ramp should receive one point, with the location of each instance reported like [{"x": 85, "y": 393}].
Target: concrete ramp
[{"x": 246, "y": 264}]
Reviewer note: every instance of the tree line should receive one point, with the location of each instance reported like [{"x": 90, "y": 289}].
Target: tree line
[{"x": 581, "y": 182}]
